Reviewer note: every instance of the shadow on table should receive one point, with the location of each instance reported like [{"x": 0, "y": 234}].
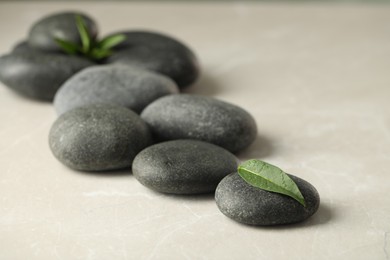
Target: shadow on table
[
  {"x": 322, "y": 216},
  {"x": 110, "y": 173},
  {"x": 184, "y": 197},
  {"x": 260, "y": 148},
  {"x": 206, "y": 85}
]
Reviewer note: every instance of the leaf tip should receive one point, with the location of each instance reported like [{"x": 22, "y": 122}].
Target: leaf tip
[{"x": 301, "y": 201}]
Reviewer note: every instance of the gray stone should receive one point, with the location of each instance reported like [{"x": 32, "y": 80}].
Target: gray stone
[
  {"x": 23, "y": 46},
  {"x": 113, "y": 84},
  {"x": 247, "y": 204},
  {"x": 60, "y": 25},
  {"x": 201, "y": 118},
  {"x": 183, "y": 166},
  {"x": 38, "y": 75},
  {"x": 98, "y": 137},
  {"x": 160, "y": 53}
]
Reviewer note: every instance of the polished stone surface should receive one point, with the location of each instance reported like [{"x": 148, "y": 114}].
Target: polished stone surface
[
  {"x": 98, "y": 137},
  {"x": 183, "y": 167},
  {"x": 314, "y": 76},
  {"x": 244, "y": 203},
  {"x": 184, "y": 116},
  {"x": 122, "y": 85}
]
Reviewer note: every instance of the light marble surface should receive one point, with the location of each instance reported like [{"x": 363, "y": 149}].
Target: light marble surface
[{"x": 315, "y": 76}]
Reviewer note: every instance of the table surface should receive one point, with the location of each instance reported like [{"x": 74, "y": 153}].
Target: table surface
[{"x": 315, "y": 77}]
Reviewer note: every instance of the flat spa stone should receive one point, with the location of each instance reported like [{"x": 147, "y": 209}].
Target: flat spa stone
[
  {"x": 60, "y": 25},
  {"x": 38, "y": 75},
  {"x": 113, "y": 84},
  {"x": 183, "y": 166},
  {"x": 98, "y": 137},
  {"x": 23, "y": 46},
  {"x": 247, "y": 204},
  {"x": 201, "y": 118},
  {"x": 157, "y": 52}
]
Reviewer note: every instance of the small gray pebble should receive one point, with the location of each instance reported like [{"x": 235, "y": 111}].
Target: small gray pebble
[
  {"x": 38, "y": 75},
  {"x": 113, "y": 84},
  {"x": 98, "y": 137},
  {"x": 60, "y": 25},
  {"x": 201, "y": 118},
  {"x": 183, "y": 166},
  {"x": 247, "y": 204},
  {"x": 160, "y": 53}
]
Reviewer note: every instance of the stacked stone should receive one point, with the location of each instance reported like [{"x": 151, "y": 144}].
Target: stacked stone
[{"x": 126, "y": 111}]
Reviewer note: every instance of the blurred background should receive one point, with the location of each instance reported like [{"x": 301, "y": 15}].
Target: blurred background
[{"x": 315, "y": 76}]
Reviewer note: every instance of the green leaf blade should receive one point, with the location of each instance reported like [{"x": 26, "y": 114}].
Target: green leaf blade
[
  {"x": 269, "y": 177},
  {"x": 111, "y": 41},
  {"x": 98, "y": 54},
  {"x": 84, "y": 34},
  {"x": 67, "y": 47}
]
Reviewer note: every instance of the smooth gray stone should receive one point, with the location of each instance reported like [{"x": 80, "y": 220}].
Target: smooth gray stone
[
  {"x": 98, "y": 137},
  {"x": 60, "y": 25},
  {"x": 247, "y": 204},
  {"x": 23, "y": 46},
  {"x": 38, "y": 75},
  {"x": 183, "y": 166},
  {"x": 201, "y": 118},
  {"x": 160, "y": 53},
  {"x": 113, "y": 84}
]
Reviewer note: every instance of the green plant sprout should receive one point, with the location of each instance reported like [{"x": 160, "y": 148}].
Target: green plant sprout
[{"x": 90, "y": 48}]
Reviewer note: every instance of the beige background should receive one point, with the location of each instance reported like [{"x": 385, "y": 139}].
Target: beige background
[{"x": 315, "y": 77}]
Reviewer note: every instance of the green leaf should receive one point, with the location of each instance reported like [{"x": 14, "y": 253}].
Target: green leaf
[
  {"x": 84, "y": 34},
  {"x": 111, "y": 41},
  {"x": 90, "y": 48},
  {"x": 68, "y": 47},
  {"x": 269, "y": 177},
  {"x": 98, "y": 54}
]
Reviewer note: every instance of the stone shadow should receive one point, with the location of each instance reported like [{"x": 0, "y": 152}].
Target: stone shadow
[
  {"x": 184, "y": 197},
  {"x": 108, "y": 173},
  {"x": 260, "y": 148},
  {"x": 206, "y": 85}
]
